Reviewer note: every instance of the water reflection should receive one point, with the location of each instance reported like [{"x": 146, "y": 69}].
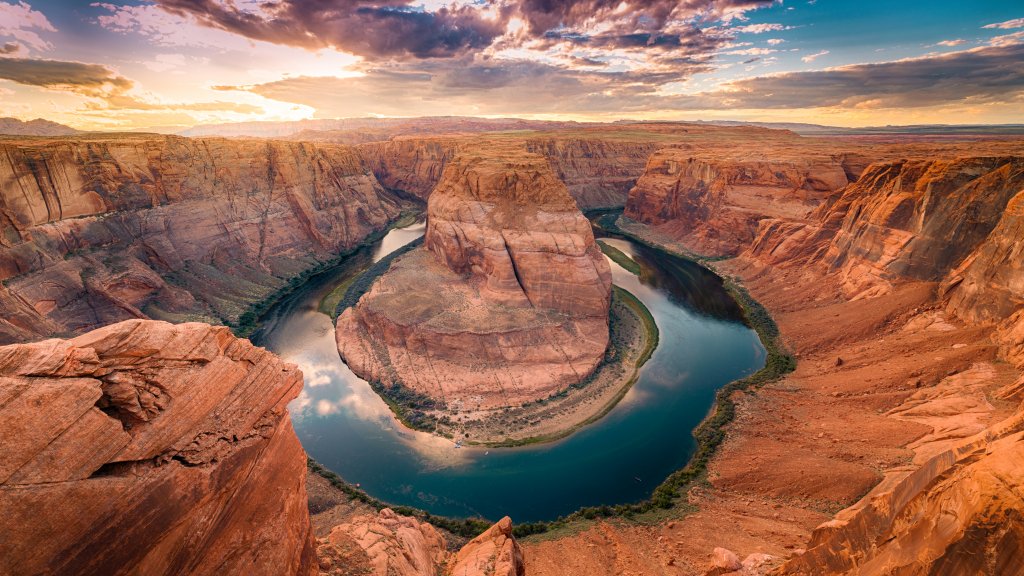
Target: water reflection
[{"x": 349, "y": 429}]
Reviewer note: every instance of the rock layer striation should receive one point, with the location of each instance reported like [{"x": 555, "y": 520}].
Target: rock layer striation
[
  {"x": 95, "y": 230},
  {"x": 149, "y": 448}
]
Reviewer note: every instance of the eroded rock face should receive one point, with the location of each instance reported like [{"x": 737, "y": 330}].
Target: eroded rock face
[
  {"x": 389, "y": 544},
  {"x": 412, "y": 165},
  {"x": 919, "y": 219},
  {"x": 508, "y": 301},
  {"x": 395, "y": 545},
  {"x": 95, "y": 230},
  {"x": 493, "y": 553},
  {"x": 959, "y": 513},
  {"x": 713, "y": 205},
  {"x": 598, "y": 172},
  {"x": 149, "y": 448}
]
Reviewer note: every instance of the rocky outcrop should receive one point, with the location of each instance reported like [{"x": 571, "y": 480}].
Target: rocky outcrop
[
  {"x": 493, "y": 553},
  {"x": 714, "y": 204},
  {"x": 388, "y": 544},
  {"x": 508, "y": 301},
  {"x": 954, "y": 221},
  {"x": 394, "y": 545},
  {"x": 959, "y": 513},
  {"x": 918, "y": 219},
  {"x": 149, "y": 448},
  {"x": 102, "y": 229}
]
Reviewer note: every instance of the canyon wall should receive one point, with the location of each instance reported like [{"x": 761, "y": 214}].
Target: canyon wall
[
  {"x": 597, "y": 171},
  {"x": 953, "y": 223},
  {"x": 150, "y": 448},
  {"x": 506, "y": 303},
  {"x": 713, "y": 203},
  {"x": 95, "y": 230}
]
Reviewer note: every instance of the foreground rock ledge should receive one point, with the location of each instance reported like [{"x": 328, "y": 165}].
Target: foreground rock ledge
[
  {"x": 149, "y": 448},
  {"x": 508, "y": 301}
]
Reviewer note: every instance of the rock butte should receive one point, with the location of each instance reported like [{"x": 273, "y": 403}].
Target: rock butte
[
  {"x": 900, "y": 291},
  {"x": 506, "y": 303}
]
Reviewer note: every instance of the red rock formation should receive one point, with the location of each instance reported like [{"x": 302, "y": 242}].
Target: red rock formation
[
  {"x": 959, "y": 513},
  {"x": 493, "y": 553},
  {"x": 988, "y": 286},
  {"x": 148, "y": 448},
  {"x": 713, "y": 204},
  {"x": 598, "y": 171},
  {"x": 507, "y": 304},
  {"x": 412, "y": 165},
  {"x": 101, "y": 229},
  {"x": 388, "y": 544},
  {"x": 395, "y": 545}
]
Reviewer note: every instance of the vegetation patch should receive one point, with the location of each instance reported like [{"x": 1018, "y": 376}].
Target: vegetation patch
[
  {"x": 619, "y": 257},
  {"x": 361, "y": 284}
]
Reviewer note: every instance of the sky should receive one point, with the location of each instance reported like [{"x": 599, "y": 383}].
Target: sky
[{"x": 167, "y": 64}]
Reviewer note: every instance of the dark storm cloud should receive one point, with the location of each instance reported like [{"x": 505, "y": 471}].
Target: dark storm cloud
[
  {"x": 982, "y": 74},
  {"x": 375, "y": 29},
  {"x": 88, "y": 79},
  {"x": 397, "y": 29}
]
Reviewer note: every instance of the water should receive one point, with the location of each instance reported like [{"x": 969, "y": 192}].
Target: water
[{"x": 621, "y": 458}]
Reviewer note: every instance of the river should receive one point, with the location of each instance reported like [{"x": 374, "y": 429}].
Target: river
[{"x": 346, "y": 427}]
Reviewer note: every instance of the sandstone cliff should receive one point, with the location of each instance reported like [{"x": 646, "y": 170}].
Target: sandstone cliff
[
  {"x": 148, "y": 448},
  {"x": 713, "y": 203},
  {"x": 508, "y": 301},
  {"x": 411, "y": 165},
  {"x": 956, "y": 223},
  {"x": 959, "y": 513},
  {"x": 598, "y": 171},
  {"x": 101, "y": 229},
  {"x": 388, "y": 544}
]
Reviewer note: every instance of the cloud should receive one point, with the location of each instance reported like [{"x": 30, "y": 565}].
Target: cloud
[
  {"x": 109, "y": 90},
  {"x": 980, "y": 75},
  {"x": 989, "y": 74},
  {"x": 23, "y": 23},
  {"x": 401, "y": 29},
  {"x": 91, "y": 80},
  {"x": 9, "y": 47},
  {"x": 386, "y": 29},
  {"x": 951, "y": 43},
  {"x": 1007, "y": 25},
  {"x": 758, "y": 28},
  {"x": 775, "y": 41},
  {"x": 815, "y": 56}
]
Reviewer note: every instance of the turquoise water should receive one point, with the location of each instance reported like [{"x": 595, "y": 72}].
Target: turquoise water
[{"x": 621, "y": 458}]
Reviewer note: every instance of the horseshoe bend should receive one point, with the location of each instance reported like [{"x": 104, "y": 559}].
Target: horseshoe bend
[{"x": 509, "y": 288}]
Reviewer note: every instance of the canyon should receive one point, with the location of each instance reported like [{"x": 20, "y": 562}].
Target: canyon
[{"x": 892, "y": 271}]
